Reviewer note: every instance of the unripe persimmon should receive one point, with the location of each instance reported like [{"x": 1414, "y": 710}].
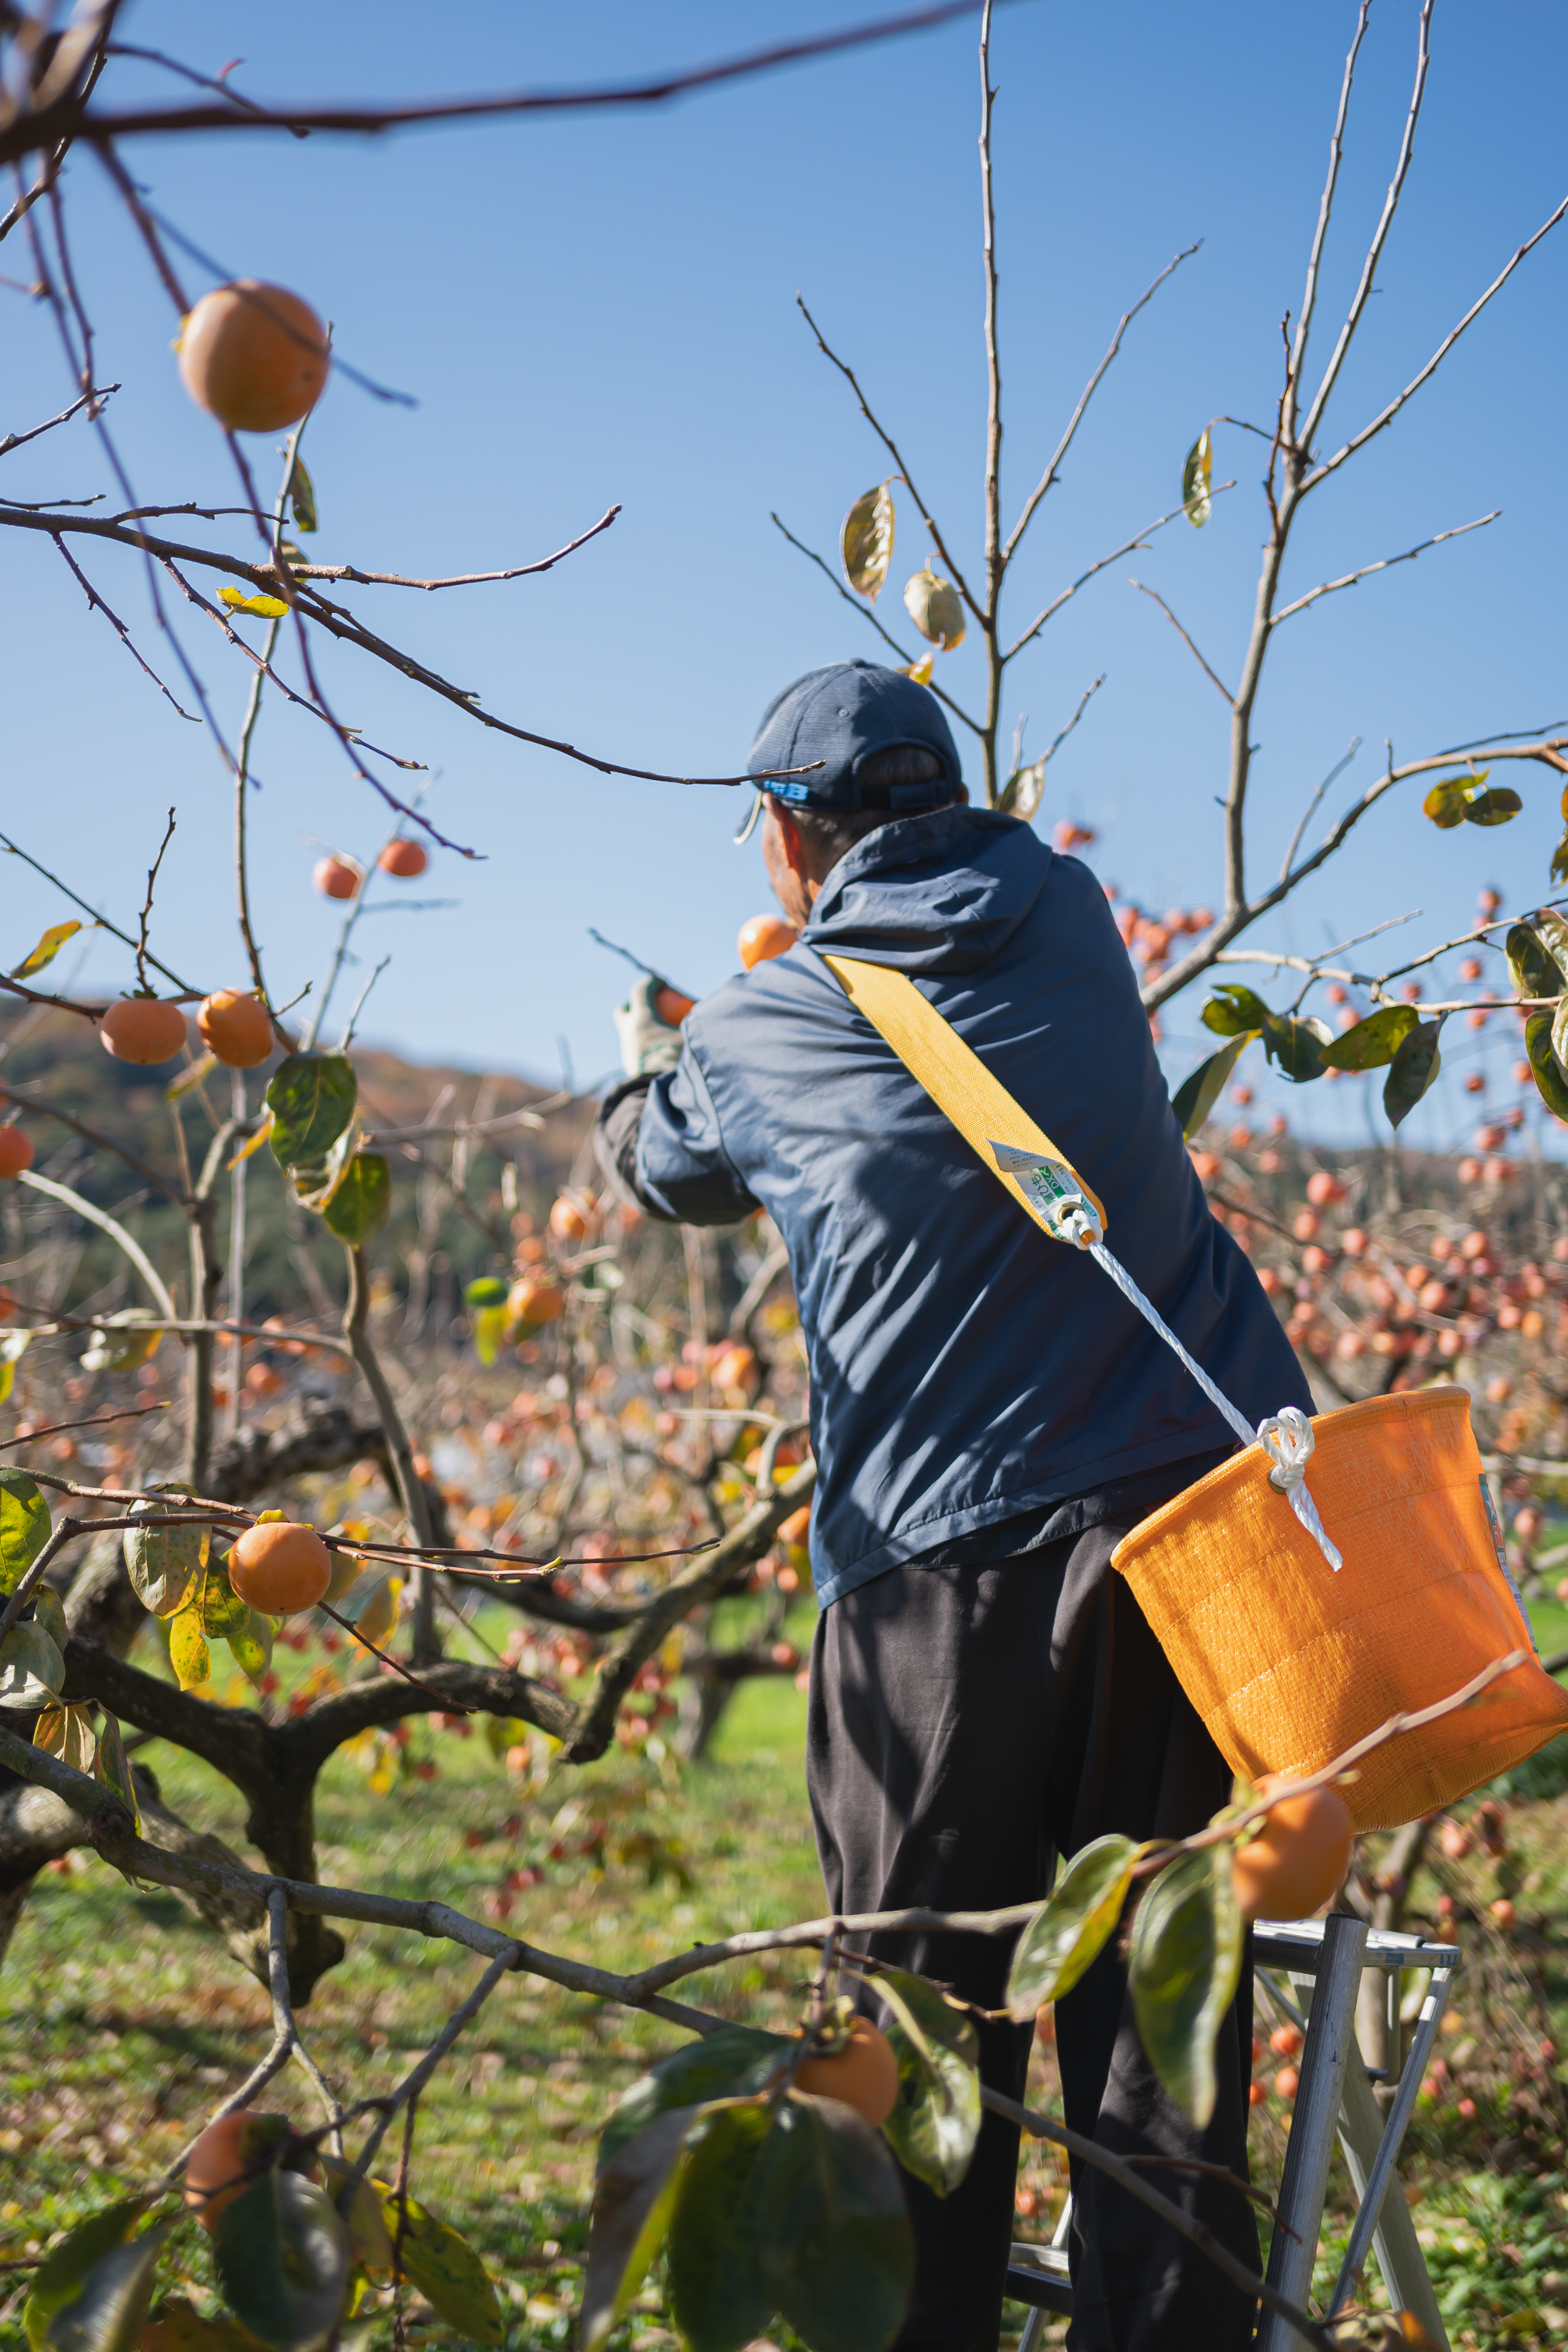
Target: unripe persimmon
[
  {"x": 764, "y": 936},
  {"x": 403, "y": 858},
  {"x": 535, "y": 1301},
  {"x": 1298, "y": 1858},
  {"x": 143, "y": 1029},
  {"x": 337, "y": 878},
  {"x": 16, "y": 1152},
  {"x": 280, "y": 1567},
  {"x": 229, "y": 2155},
  {"x": 237, "y": 1027},
  {"x": 671, "y": 1006},
  {"x": 254, "y": 356},
  {"x": 864, "y": 2075}
]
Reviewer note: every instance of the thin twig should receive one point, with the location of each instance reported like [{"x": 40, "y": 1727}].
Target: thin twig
[
  {"x": 1186, "y": 639},
  {"x": 147, "y": 907},
  {"x": 1329, "y": 587}
]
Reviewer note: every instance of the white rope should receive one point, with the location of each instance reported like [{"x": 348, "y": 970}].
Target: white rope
[{"x": 1285, "y": 1436}]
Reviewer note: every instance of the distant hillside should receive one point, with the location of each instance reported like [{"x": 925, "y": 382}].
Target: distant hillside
[{"x": 53, "y": 1259}]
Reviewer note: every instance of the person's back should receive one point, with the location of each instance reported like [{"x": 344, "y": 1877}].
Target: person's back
[{"x": 988, "y": 1416}]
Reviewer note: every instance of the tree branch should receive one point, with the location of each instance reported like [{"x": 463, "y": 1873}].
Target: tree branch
[
  {"x": 1387, "y": 562},
  {"x": 1320, "y": 235},
  {"x": 1186, "y": 640},
  {"x": 868, "y": 614}
]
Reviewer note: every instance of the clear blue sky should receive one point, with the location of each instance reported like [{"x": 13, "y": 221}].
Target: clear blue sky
[{"x": 602, "y": 307}]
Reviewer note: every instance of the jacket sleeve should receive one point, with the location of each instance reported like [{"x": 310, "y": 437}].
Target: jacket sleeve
[{"x": 659, "y": 1143}]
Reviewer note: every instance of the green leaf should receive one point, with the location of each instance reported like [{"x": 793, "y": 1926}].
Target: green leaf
[
  {"x": 1234, "y": 1011},
  {"x": 1372, "y": 1042},
  {"x": 50, "y": 1612},
  {"x": 250, "y": 1646},
  {"x": 1196, "y": 474},
  {"x": 1498, "y": 806},
  {"x": 1197, "y": 1095},
  {"x": 163, "y": 1563},
  {"x": 48, "y": 949},
  {"x": 31, "y": 1668},
  {"x": 1025, "y": 789},
  {"x": 716, "y": 2293},
  {"x": 1413, "y": 1069},
  {"x": 67, "y": 1732},
  {"x": 265, "y": 608},
  {"x": 1297, "y": 1045},
  {"x": 360, "y": 1204},
  {"x": 112, "y": 1767},
  {"x": 219, "y": 1607},
  {"x": 61, "y": 2275},
  {"x": 1551, "y": 930},
  {"x": 836, "y": 2254},
  {"x": 445, "y": 2268},
  {"x": 1183, "y": 1969},
  {"x": 934, "y": 606},
  {"x": 23, "y": 1526},
  {"x": 1534, "y": 968},
  {"x": 281, "y": 2254},
  {"x": 487, "y": 1291},
  {"x": 737, "y": 2058},
  {"x": 1072, "y": 1927},
  {"x": 1447, "y": 804},
  {"x": 178, "y": 2328},
  {"x": 312, "y": 1097},
  {"x": 935, "y": 2126},
  {"x": 634, "y": 2197},
  {"x": 1559, "y": 868},
  {"x": 302, "y": 497},
  {"x": 106, "y": 2312},
  {"x": 188, "y": 1652},
  {"x": 369, "y": 2238},
  {"x": 1544, "y": 1069},
  {"x": 867, "y": 541},
  {"x": 125, "y": 1344}
]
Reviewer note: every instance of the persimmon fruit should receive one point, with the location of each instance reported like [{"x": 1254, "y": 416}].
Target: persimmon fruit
[
  {"x": 671, "y": 1006},
  {"x": 864, "y": 2075},
  {"x": 16, "y": 1152},
  {"x": 1298, "y": 1858},
  {"x": 403, "y": 858},
  {"x": 143, "y": 1029},
  {"x": 235, "y": 1026},
  {"x": 572, "y": 1220},
  {"x": 229, "y": 2155},
  {"x": 797, "y": 1526},
  {"x": 254, "y": 355},
  {"x": 337, "y": 878},
  {"x": 534, "y": 1301},
  {"x": 280, "y": 1567},
  {"x": 764, "y": 936}
]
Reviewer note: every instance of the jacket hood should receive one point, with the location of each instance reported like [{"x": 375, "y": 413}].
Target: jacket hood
[{"x": 940, "y": 893}]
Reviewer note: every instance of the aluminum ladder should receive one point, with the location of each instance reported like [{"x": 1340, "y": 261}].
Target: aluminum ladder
[{"x": 1335, "y": 2095}]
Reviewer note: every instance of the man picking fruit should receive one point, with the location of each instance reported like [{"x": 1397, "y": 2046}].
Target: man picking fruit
[{"x": 988, "y": 1418}]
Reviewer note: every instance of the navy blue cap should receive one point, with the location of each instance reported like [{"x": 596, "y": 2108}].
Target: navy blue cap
[{"x": 840, "y": 715}]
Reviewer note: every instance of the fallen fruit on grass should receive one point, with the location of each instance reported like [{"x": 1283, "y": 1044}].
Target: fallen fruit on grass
[
  {"x": 335, "y": 877},
  {"x": 403, "y": 858},
  {"x": 1298, "y": 1858},
  {"x": 16, "y": 1152},
  {"x": 280, "y": 1567},
  {"x": 229, "y": 2155},
  {"x": 536, "y": 1302},
  {"x": 235, "y": 1026},
  {"x": 764, "y": 936},
  {"x": 143, "y": 1029},
  {"x": 864, "y": 2075},
  {"x": 670, "y": 1005},
  {"x": 254, "y": 355}
]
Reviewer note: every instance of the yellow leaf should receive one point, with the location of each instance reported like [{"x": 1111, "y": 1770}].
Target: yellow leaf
[
  {"x": 1196, "y": 477},
  {"x": 867, "y": 541},
  {"x": 377, "y": 1618},
  {"x": 48, "y": 949},
  {"x": 188, "y": 1080},
  {"x": 932, "y": 605},
  {"x": 920, "y": 671},
  {"x": 266, "y": 608},
  {"x": 256, "y": 1140},
  {"x": 188, "y": 1652}
]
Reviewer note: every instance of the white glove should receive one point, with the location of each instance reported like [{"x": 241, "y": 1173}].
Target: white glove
[{"x": 648, "y": 1044}]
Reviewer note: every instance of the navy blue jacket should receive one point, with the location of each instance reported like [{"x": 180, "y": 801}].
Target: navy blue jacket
[{"x": 966, "y": 1371}]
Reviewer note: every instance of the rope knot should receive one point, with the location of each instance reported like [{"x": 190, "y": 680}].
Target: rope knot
[{"x": 1286, "y": 1438}]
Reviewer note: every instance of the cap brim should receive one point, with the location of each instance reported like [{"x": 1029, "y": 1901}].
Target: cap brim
[{"x": 748, "y": 823}]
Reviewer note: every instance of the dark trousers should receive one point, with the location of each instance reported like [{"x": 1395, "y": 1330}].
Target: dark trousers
[{"x": 966, "y": 1725}]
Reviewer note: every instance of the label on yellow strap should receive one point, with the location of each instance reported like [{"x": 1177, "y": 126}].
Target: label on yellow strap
[{"x": 1039, "y": 1175}]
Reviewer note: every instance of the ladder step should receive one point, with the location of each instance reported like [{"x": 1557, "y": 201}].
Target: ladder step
[{"x": 1038, "y": 2276}]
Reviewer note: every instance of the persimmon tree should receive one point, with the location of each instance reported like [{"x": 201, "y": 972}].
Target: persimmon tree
[{"x": 766, "y": 2195}]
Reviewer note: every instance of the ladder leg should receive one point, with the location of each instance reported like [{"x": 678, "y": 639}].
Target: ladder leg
[
  {"x": 1399, "y": 2254},
  {"x": 1331, "y": 2039}
]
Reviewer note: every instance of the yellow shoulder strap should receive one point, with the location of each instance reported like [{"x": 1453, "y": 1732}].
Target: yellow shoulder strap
[{"x": 959, "y": 1083}]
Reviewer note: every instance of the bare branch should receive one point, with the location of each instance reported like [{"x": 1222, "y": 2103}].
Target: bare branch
[
  {"x": 96, "y": 602},
  {"x": 891, "y": 446},
  {"x": 1090, "y": 388},
  {"x": 1386, "y": 416},
  {"x": 97, "y": 393},
  {"x": 1320, "y": 235},
  {"x": 1186, "y": 640},
  {"x": 994, "y": 564},
  {"x": 1337, "y": 770},
  {"x": 868, "y": 614},
  {"x": 460, "y": 580},
  {"x": 1386, "y": 563},
  {"x": 1138, "y": 539},
  {"x": 1380, "y": 234}
]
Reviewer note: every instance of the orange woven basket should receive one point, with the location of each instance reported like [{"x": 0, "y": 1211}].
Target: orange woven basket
[{"x": 1289, "y": 1663}]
